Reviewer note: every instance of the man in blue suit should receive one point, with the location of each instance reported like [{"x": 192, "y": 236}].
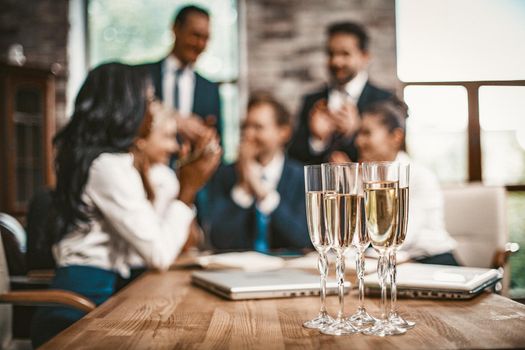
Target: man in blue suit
[
  {"x": 176, "y": 82},
  {"x": 258, "y": 202},
  {"x": 330, "y": 118}
]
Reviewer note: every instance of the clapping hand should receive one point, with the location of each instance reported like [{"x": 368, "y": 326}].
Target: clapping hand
[
  {"x": 192, "y": 127},
  {"x": 339, "y": 157},
  {"x": 321, "y": 124},
  {"x": 248, "y": 170},
  {"x": 346, "y": 119},
  {"x": 195, "y": 174}
]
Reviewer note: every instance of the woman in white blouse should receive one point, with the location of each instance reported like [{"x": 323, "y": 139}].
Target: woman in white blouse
[
  {"x": 103, "y": 215},
  {"x": 152, "y": 150},
  {"x": 381, "y": 138}
]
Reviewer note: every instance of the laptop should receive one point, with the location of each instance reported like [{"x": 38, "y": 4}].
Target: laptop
[
  {"x": 242, "y": 285},
  {"x": 437, "y": 281}
]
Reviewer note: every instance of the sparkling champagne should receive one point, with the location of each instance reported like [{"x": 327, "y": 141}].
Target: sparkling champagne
[
  {"x": 342, "y": 213},
  {"x": 381, "y": 200},
  {"x": 331, "y": 214},
  {"x": 363, "y": 239},
  {"x": 403, "y": 216},
  {"x": 315, "y": 219}
]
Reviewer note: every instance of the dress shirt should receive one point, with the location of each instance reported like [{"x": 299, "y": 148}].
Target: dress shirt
[
  {"x": 122, "y": 222},
  {"x": 165, "y": 185},
  {"x": 270, "y": 174},
  {"x": 336, "y": 98},
  {"x": 426, "y": 233},
  {"x": 351, "y": 92},
  {"x": 185, "y": 87}
]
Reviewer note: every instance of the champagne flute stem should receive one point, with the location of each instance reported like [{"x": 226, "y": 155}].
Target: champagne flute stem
[
  {"x": 360, "y": 276},
  {"x": 340, "y": 283},
  {"x": 323, "y": 271},
  {"x": 381, "y": 267},
  {"x": 393, "y": 281}
]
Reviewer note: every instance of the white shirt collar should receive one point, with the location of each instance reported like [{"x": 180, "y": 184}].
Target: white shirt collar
[
  {"x": 402, "y": 157},
  {"x": 352, "y": 92},
  {"x": 172, "y": 63},
  {"x": 355, "y": 87},
  {"x": 273, "y": 170}
]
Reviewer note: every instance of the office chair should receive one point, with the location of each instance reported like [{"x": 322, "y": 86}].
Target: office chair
[{"x": 47, "y": 297}]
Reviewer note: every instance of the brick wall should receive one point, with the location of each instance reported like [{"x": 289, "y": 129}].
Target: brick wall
[
  {"x": 286, "y": 43},
  {"x": 41, "y": 26}
]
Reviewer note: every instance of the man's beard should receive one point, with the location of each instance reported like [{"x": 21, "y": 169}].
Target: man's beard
[{"x": 343, "y": 81}]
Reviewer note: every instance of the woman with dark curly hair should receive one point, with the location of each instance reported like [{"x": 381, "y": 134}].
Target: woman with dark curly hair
[{"x": 103, "y": 216}]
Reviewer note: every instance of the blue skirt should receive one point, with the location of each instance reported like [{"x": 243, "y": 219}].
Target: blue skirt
[{"x": 94, "y": 283}]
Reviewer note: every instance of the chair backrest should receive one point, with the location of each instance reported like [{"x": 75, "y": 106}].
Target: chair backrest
[
  {"x": 13, "y": 237},
  {"x": 476, "y": 217},
  {"x": 5, "y": 309},
  {"x": 12, "y": 225},
  {"x": 39, "y": 238}
]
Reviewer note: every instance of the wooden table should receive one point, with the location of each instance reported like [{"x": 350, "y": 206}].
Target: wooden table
[{"x": 165, "y": 311}]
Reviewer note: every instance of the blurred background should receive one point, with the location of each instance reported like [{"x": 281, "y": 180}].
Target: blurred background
[{"x": 457, "y": 63}]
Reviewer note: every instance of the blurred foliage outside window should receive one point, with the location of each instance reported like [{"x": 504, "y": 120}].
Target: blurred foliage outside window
[{"x": 516, "y": 212}]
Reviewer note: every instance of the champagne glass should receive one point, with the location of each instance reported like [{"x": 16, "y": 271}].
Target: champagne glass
[
  {"x": 341, "y": 205},
  {"x": 361, "y": 319},
  {"x": 381, "y": 181},
  {"x": 404, "y": 177},
  {"x": 318, "y": 236}
]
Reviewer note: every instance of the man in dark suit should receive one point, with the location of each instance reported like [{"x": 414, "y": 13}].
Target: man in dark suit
[
  {"x": 176, "y": 82},
  {"x": 330, "y": 118},
  {"x": 258, "y": 202}
]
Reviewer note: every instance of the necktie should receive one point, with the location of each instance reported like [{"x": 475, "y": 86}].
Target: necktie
[
  {"x": 350, "y": 98},
  {"x": 176, "y": 103},
  {"x": 261, "y": 222},
  {"x": 261, "y": 240}
]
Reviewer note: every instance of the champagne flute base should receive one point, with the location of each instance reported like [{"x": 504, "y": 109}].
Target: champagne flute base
[
  {"x": 322, "y": 320},
  {"x": 384, "y": 328},
  {"x": 361, "y": 319},
  {"x": 339, "y": 327},
  {"x": 398, "y": 321}
]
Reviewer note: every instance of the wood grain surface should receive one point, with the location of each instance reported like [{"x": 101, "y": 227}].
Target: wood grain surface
[{"x": 164, "y": 311}]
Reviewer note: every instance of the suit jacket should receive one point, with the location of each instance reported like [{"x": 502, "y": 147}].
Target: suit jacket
[
  {"x": 206, "y": 100},
  {"x": 300, "y": 147},
  {"x": 232, "y": 227}
]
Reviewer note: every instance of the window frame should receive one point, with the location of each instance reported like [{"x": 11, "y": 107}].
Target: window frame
[{"x": 475, "y": 170}]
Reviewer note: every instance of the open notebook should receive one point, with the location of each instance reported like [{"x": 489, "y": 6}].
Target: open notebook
[
  {"x": 254, "y": 261},
  {"x": 438, "y": 281}
]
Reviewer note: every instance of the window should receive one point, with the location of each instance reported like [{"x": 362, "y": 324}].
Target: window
[
  {"x": 140, "y": 31},
  {"x": 460, "y": 40},
  {"x": 432, "y": 121},
  {"x": 502, "y": 120},
  {"x": 461, "y": 64}
]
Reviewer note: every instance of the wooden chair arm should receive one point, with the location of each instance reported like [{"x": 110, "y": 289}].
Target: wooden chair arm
[
  {"x": 49, "y": 297},
  {"x": 501, "y": 256},
  {"x": 45, "y": 274},
  {"x": 27, "y": 282}
]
